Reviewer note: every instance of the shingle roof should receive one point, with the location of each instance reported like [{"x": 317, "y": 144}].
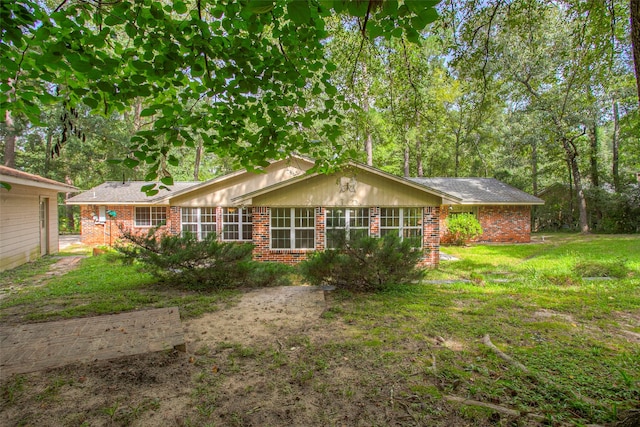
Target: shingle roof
[
  {"x": 117, "y": 192},
  {"x": 480, "y": 190},
  {"x": 18, "y": 176}
]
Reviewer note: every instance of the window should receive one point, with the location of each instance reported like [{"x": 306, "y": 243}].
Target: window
[
  {"x": 346, "y": 223},
  {"x": 199, "y": 221},
  {"x": 150, "y": 216},
  {"x": 405, "y": 222},
  {"x": 460, "y": 209},
  {"x": 102, "y": 214},
  {"x": 236, "y": 224},
  {"x": 293, "y": 228}
]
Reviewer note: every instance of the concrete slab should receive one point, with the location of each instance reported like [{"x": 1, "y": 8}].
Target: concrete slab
[{"x": 32, "y": 347}]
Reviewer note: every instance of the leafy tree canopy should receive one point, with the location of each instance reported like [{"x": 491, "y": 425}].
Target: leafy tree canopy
[{"x": 236, "y": 74}]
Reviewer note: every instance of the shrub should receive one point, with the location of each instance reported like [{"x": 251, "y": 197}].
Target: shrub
[
  {"x": 367, "y": 264},
  {"x": 188, "y": 261},
  {"x": 463, "y": 228}
]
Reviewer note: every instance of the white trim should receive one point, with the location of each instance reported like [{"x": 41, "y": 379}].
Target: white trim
[{"x": 292, "y": 229}]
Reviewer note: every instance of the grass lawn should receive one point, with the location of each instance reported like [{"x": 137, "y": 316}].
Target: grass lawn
[{"x": 406, "y": 354}]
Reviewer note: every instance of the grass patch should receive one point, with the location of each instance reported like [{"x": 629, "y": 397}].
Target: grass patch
[
  {"x": 102, "y": 285},
  {"x": 392, "y": 357}
]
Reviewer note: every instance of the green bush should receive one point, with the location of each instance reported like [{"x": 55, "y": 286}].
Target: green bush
[
  {"x": 368, "y": 264},
  {"x": 463, "y": 228},
  {"x": 187, "y": 261}
]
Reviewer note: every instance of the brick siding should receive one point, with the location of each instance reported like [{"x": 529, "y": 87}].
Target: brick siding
[
  {"x": 108, "y": 233},
  {"x": 500, "y": 224}
]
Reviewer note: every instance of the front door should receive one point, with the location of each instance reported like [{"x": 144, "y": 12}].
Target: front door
[{"x": 44, "y": 226}]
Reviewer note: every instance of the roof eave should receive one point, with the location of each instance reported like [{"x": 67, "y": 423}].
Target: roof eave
[{"x": 61, "y": 188}]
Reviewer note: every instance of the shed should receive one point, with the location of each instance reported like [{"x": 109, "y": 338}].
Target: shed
[{"x": 28, "y": 216}]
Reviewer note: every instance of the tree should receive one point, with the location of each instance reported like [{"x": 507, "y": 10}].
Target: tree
[{"x": 234, "y": 74}]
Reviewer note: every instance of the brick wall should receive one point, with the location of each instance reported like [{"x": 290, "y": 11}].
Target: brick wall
[
  {"x": 431, "y": 236},
  {"x": 500, "y": 224},
  {"x": 108, "y": 233}
]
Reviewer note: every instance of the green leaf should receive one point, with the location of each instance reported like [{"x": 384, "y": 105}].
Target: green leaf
[
  {"x": 131, "y": 163},
  {"x": 151, "y": 176},
  {"x": 173, "y": 161},
  {"x": 180, "y": 7},
  {"x": 260, "y": 6},
  {"x": 148, "y": 112},
  {"x": 299, "y": 11},
  {"x": 167, "y": 180},
  {"x": 5, "y": 185},
  {"x": 148, "y": 187}
]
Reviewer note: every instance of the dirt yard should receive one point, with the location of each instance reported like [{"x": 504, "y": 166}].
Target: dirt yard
[{"x": 223, "y": 378}]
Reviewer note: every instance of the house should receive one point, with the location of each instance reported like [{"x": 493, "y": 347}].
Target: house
[
  {"x": 287, "y": 211},
  {"x": 504, "y": 212},
  {"x": 28, "y": 216}
]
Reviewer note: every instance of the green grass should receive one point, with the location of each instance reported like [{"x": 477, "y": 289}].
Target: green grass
[
  {"x": 101, "y": 285},
  {"x": 544, "y": 314},
  {"x": 403, "y": 350}
]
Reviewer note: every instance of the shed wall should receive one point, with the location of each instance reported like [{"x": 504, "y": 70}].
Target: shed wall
[{"x": 20, "y": 224}]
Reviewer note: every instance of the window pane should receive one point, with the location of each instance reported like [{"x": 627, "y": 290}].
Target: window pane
[
  {"x": 280, "y": 239},
  {"x": 281, "y": 217},
  {"x": 359, "y": 217},
  {"x": 189, "y": 214},
  {"x": 247, "y": 231},
  {"x": 208, "y": 215},
  {"x": 206, "y": 229},
  {"x": 305, "y": 239},
  {"x": 143, "y": 217},
  {"x": 412, "y": 217},
  {"x": 230, "y": 215},
  {"x": 305, "y": 217},
  {"x": 231, "y": 232},
  {"x": 335, "y": 218},
  {"x": 158, "y": 216},
  {"x": 190, "y": 228},
  {"x": 389, "y": 217}
]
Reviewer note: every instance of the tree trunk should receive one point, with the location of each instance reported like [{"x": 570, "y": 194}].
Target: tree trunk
[
  {"x": 534, "y": 167},
  {"x": 614, "y": 149},
  {"x": 368, "y": 139},
  {"x": 572, "y": 159},
  {"x": 457, "y": 157},
  {"x": 9, "y": 141},
  {"x": 419, "y": 149},
  {"x": 594, "y": 152},
  {"x": 368, "y": 147},
  {"x": 196, "y": 166},
  {"x": 47, "y": 152},
  {"x": 635, "y": 40},
  {"x": 407, "y": 170},
  {"x": 71, "y": 221}
]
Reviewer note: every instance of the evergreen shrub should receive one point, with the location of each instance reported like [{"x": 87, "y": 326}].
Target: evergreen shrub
[
  {"x": 207, "y": 263},
  {"x": 367, "y": 264}
]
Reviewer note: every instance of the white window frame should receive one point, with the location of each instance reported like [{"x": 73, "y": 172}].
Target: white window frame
[
  {"x": 243, "y": 220},
  {"x": 349, "y": 215},
  {"x": 402, "y": 227},
  {"x": 199, "y": 213},
  {"x": 290, "y": 213},
  {"x": 101, "y": 217},
  {"x": 157, "y": 216}
]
